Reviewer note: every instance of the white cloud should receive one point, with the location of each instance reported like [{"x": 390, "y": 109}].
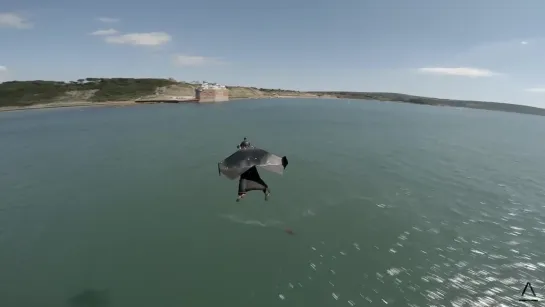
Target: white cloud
[
  {"x": 140, "y": 39},
  {"x": 536, "y": 89},
  {"x": 184, "y": 60},
  {"x": 108, "y": 19},
  {"x": 3, "y": 68},
  {"x": 105, "y": 32},
  {"x": 524, "y": 43},
  {"x": 13, "y": 20},
  {"x": 458, "y": 71}
]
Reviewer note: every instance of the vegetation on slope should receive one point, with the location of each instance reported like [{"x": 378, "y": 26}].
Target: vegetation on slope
[
  {"x": 254, "y": 92},
  {"x": 483, "y": 105},
  {"x": 24, "y": 93}
]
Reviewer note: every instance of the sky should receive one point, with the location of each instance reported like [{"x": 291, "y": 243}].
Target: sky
[{"x": 491, "y": 50}]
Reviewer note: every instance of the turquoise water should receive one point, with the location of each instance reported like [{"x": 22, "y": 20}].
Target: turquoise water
[{"x": 390, "y": 203}]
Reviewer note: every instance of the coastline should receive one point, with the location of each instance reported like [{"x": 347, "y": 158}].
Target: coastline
[
  {"x": 118, "y": 92},
  {"x": 126, "y": 103},
  {"x": 490, "y": 106},
  {"x": 56, "y": 105},
  {"x": 285, "y": 97}
]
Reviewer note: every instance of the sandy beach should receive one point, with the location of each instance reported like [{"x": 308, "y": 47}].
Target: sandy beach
[
  {"x": 285, "y": 96},
  {"x": 132, "y": 103},
  {"x": 68, "y": 105},
  {"x": 307, "y": 96}
]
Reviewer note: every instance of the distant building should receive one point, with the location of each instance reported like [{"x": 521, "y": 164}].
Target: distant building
[{"x": 211, "y": 92}]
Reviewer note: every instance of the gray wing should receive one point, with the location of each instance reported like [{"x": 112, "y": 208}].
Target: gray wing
[{"x": 242, "y": 160}]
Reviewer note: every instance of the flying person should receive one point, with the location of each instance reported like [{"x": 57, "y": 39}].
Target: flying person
[{"x": 243, "y": 164}]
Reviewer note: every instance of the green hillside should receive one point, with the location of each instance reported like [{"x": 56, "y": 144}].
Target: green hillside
[
  {"x": 24, "y": 93},
  {"x": 27, "y": 93}
]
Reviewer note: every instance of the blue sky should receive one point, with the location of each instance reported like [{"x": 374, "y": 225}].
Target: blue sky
[{"x": 480, "y": 49}]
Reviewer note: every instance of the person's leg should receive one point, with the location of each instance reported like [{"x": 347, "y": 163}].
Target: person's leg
[
  {"x": 241, "y": 189},
  {"x": 253, "y": 182}
]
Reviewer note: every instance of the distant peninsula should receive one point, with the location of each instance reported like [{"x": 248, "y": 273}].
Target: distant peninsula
[{"x": 15, "y": 95}]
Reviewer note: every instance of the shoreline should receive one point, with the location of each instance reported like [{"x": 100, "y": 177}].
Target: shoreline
[
  {"x": 285, "y": 97},
  {"x": 114, "y": 92},
  {"x": 56, "y": 105},
  {"x": 126, "y": 103}
]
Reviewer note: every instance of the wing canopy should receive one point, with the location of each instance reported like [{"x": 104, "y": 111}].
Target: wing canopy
[{"x": 242, "y": 160}]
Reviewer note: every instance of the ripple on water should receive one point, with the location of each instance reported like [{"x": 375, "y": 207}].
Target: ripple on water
[
  {"x": 477, "y": 261},
  {"x": 455, "y": 282}
]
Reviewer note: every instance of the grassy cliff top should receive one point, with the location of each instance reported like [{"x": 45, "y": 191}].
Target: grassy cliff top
[
  {"x": 26, "y": 93},
  {"x": 23, "y": 93},
  {"x": 472, "y": 104}
]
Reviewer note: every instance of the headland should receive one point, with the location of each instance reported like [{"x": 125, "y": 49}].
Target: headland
[{"x": 20, "y": 95}]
